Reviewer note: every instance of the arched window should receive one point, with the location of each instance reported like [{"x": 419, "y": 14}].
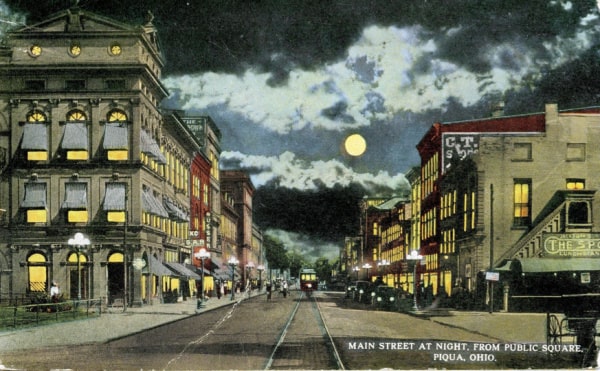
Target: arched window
[
  {"x": 116, "y": 115},
  {"x": 76, "y": 115},
  {"x": 116, "y": 136},
  {"x": 36, "y": 116},
  {"x": 37, "y": 272},
  {"x": 35, "y": 136},
  {"x": 75, "y": 136}
]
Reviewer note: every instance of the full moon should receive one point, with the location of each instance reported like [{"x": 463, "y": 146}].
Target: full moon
[{"x": 355, "y": 145}]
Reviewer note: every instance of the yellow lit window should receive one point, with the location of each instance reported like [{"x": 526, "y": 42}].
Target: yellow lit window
[
  {"x": 36, "y": 216},
  {"x": 116, "y": 216},
  {"x": 77, "y": 216}
]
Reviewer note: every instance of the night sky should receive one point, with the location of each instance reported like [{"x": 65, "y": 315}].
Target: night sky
[{"x": 288, "y": 81}]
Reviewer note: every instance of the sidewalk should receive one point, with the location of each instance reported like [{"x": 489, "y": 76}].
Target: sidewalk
[
  {"x": 112, "y": 324},
  {"x": 502, "y": 326}
]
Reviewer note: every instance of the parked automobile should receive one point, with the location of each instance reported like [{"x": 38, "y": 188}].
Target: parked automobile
[
  {"x": 386, "y": 298},
  {"x": 363, "y": 292}
]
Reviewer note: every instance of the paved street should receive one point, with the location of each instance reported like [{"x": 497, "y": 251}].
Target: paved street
[{"x": 473, "y": 326}]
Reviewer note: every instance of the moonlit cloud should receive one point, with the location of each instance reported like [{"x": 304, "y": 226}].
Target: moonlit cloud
[{"x": 294, "y": 173}]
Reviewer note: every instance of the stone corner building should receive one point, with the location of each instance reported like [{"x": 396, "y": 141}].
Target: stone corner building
[{"x": 85, "y": 148}]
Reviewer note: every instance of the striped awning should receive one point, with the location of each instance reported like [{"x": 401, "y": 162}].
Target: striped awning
[
  {"x": 182, "y": 270},
  {"x": 151, "y": 204},
  {"x": 150, "y": 147},
  {"x": 75, "y": 136},
  {"x": 156, "y": 267},
  {"x": 35, "y": 137},
  {"x": 75, "y": 196},
  {"x": 116, "y": 136},
  {"x": 174, "y": 211},
  {"x": 114, "y": 198},
  {"x": 35, "y": 196}
]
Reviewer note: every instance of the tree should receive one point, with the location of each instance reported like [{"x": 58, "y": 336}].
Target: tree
[
  {"x": 275, "y": 253},
  {"x": 323, "y": 268},
  {"x": 297, "y": 262}
]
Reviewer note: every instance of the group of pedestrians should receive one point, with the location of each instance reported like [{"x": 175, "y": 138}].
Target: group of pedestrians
[{"x": 274, "y": 285}]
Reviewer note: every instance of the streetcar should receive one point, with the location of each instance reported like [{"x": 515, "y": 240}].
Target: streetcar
[{"x": 308, "y": 281}]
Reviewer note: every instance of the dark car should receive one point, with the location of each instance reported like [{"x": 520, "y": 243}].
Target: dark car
[
  {"x": 363, "y": 291},
  {"x": 386, "y": 298}
]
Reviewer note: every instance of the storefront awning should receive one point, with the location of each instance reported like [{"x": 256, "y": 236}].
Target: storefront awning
[
  {"x": 182, "y": 270},
  {"x": 155, "y": 267},
  {"x": 541, "y": 265}
]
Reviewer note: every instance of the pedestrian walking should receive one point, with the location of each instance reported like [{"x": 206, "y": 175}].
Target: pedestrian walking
[
  {"x": 269, "y": 288},
  {"x": 284, "y": 288},
  {"x": 221, "y": 290}
]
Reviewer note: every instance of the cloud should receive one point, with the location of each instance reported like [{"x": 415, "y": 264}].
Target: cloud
[
  {"x": 310, "y": 248},
  {"x": 292, "y": 172}
]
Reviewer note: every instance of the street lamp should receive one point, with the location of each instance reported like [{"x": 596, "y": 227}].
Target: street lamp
[
  {"x": 367, "y": 266},
  {"x": 249, "y": 267},
  {"x": 79, "y": 241},
  {"x": 202, "y": 254},
  {"x": 232, "y": 262},
  {"x": 415, "y": 257},
  {"x": 260, "y": 269},
  {"x": 384, "y": 264}
]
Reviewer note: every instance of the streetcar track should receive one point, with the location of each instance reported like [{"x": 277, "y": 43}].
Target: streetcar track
[
  {"x": 322, "y": 326},
  {"x": 201, "y": 339}
]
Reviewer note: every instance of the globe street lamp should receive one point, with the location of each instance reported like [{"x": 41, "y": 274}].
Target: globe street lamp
[
  {"x": 232, "y": 262},
  {"x": 415, "y": 257},
  {"x": 79, "y": 242},
  {"x": 201, "y": 255},
  {"x": 260, "y": 269}
]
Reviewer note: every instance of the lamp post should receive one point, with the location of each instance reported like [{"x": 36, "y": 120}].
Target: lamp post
[
  {"x": 415, "y": 257},
  {"x": 79, "y": 241},
  {"x": 249, "y": 267},
  {"x": 202, "y": 254},
  {"x": 260, "y": 269},
  {"x": 367, "y": 266},
  {"x": 383, "y": 265},
  {"x": 232, "y": 262}
]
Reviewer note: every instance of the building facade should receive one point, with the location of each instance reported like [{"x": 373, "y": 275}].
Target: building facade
[
  {"x": 88, "y": 150},
  {"x": 500, "y": 189}
]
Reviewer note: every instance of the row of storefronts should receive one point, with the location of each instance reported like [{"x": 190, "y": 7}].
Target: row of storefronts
[
  {"x": 87, "y": 150},
  {"x": 488, "y": 192}
]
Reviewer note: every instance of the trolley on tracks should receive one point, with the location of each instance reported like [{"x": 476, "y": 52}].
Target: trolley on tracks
[
  {"x": 308, "y": 281},
  {"x": 568, "y": 290}
]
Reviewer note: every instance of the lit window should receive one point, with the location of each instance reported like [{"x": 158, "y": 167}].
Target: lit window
[
  {"x": 35, "y": 137},
  {"x": 116, "y": 136},
  {"x": 75, "y": 136},
  {"x": 522, "y": 202},
  {"x": 575, "y": 184}
]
